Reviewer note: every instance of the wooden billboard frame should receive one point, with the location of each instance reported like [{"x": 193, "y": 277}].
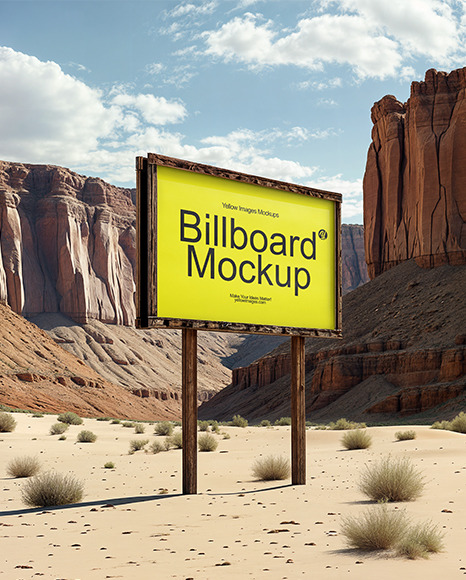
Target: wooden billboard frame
[{"x": 146, "y": 307}]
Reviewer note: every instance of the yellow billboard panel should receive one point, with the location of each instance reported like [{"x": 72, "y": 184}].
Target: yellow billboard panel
[{"x": 233, "y": 251}]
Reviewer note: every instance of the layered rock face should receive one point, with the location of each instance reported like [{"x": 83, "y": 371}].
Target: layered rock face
[
  {"x": 354, "y": 268},
  {"x": 67, "y": 244},
  {"x": 414, "y": 184}
]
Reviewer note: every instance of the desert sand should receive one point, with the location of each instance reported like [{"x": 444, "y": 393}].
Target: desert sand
[{"x": 234, "y": 527}]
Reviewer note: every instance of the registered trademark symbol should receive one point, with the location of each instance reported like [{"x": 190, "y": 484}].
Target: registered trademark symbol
[{"x": 323, "y": 234}]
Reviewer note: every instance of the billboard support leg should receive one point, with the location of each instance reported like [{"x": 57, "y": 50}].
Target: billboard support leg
[
  {"x": 298, "y": 411},
  {"x": 189, "y": 410}
]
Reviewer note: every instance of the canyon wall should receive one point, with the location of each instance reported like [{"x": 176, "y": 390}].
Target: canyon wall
[
  {"x": 414, "y": 199},
  {"x": 67, "y": 245}
]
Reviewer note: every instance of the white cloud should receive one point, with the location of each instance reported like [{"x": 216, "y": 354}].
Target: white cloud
[
  {"x": 43, "y": 111},
  {"x": 154, "y": 110},
  {"x": 375, "y": 38},
  {"x": 154, "y": 68},
  {"x": 189, "y": 9},
  {"x": 352, "y": 205},
  {"x": 340, "y": 39}
]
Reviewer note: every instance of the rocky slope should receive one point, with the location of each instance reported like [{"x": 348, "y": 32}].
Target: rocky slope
[
  {"x": 403, "y": 352},
  {"x": 414, "y": 201},
  {"x": 36, "y": 373}
]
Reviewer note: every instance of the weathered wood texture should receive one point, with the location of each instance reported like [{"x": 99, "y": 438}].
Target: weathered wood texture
[
  {"x": 189, "y": 410},
  {"x": 298, "y": 411}
]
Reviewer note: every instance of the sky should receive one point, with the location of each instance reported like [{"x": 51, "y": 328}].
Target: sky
[{"x": 277, "y": 88}]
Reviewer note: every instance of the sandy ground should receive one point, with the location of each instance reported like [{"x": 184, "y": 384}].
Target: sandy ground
[{"x": 235, "y": 527}]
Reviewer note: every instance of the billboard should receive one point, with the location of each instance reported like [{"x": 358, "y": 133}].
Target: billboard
[{"x": 222, "y": 250}]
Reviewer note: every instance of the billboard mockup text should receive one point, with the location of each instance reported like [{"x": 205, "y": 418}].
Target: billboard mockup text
[{"x": 243, "y": 253}]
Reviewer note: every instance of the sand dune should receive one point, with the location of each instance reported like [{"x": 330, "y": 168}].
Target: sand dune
[{"x": 236, "y": 527}]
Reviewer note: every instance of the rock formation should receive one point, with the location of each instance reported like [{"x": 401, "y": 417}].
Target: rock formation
[
  {"x": 67, "y": 244},
  {"x": 403, "y": 351},
  {"x": 414, "y": 184},
  {"x": 354, "y": 268}
]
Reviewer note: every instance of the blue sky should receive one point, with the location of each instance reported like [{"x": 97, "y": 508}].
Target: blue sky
[{"x": 281, "y": 89}]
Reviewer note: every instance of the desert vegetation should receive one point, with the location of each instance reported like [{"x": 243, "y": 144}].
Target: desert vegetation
[
  {"x": 271, "y": 468},
  {"x": 382, "y": 529},
  {"x": 70, "y": 418},
  {"x": 137, "y": 445},
  {"x": 405, "y": 435},
  {"x": 86, "y": 436},
  {"x": 356, "y": 439},
  {"x": 458, "y": 424},
  {"x": 163, "y": 428},
  {"x": 392, "y": 480},
  {"x": 7, "y": 422},
  {"x": 207, "y": 442},
  {"x": 52, "y": 489},
  {"x": 26, "y": 466},
  {"x": 58, "y": 428},
  {"x": 239, "y": 421}
]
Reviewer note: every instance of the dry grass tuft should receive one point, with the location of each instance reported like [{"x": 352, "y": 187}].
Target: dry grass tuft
[
  {"x": 86, "y": 436},
  {"x": 392, "y": 480},
  {"x": 356, "y": 439},
  {"x": 343, "y": 424},
  {"x": 163, "y": 428},
  {"x": 207, "y": 442},
  {"x": 375, "y": 529},
  {"x": 137, "y": 445},
  {"x": 175, "y": 440},
  {"x": 70, "y": 418},
  {"x": 239, "y": 421},
  {"x": 51, "y": 489},
  {"x": 139, "y": 428},
  {"x": 271, "y": 468},
  {"x": 458, "y": 424},
  {"x": 58, "y": 428},
  {"x": 405, "y": 435},
  {"x": 420, "y": 540},
  {"x": 7, "y": 422},
  {"x": 23, "y": 466}
]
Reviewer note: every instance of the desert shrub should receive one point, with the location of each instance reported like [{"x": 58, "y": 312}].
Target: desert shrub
[
  {"x": 51, "y": 489},
  {"x": 207, "y": 442},
  {"x": 226, "y": 435},
  {"x": 405, "y": 435},
  {"x": 62, "y": 438},
  {"x": 115, "y": 422},
  {"x": 343, "y": 424},
  {"x": 137, "y": 444},
  {"x": 58, "y": 428},
  {"x": 271, "y": 468},
  {"x": 320, "y": 427},
  {"x": 37, "y": 415},
  {"x": 239, "y": 421},
  {"x": 128, "y": 424},
  {"x": 214, "y": 427},
  {"x": 441, "y": 425},
  {"x": 86, "y": 436},
  {"x": 70, "y": 418},
  {"x": 26, "y": 466},
  {"x": 163, "y": 428},
  {"x": 283, "y": 421},
  {"x": 265, "y": 423},
  {"x": 420, "y": 540},
  {"x": 139, "y": 428},
  {"x": 176, "y": 440},
  {"x": 392, "y": 480},
  {"x": 458, "y": 424},
  {"x": 7, "y": 422},
  {"x": 203, "y": 425},
  {"x": 109, "y": 465},
  {"x": 103, "y": 418},
  {"x": 157, "y": 447},
  {"x": 356, "y": 439},
  {"x": 375, "y": 529}
]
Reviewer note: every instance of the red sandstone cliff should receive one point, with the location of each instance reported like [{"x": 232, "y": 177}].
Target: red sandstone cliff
[
  {"x": 67, "y": 244},
  {"x": 414, "y": 184}
]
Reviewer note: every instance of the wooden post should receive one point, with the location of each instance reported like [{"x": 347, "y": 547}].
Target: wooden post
[
  {"x": 189, "y": 411},
  {"x": 298, "y": 412}
]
